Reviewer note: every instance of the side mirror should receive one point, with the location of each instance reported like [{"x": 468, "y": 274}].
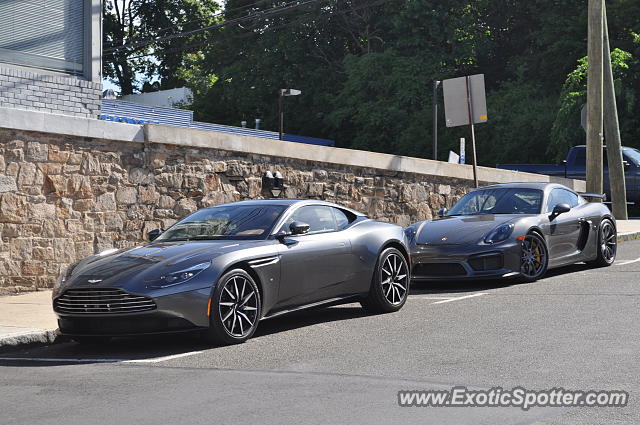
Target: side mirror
[
  {"x": 441, "y": 212},
  {"x": 561, "y": 209},
  {"x": 154, "y": 234},
  {"x": 298, "y": 228}
]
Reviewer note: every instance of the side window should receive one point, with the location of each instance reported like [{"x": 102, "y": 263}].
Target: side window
[
  {"x": 319, "y": 218},
  {"x": 562, "y": 196},
  {"x": 580, "y": 158},
  {"x": 572, "y": 198},
  {"x": 343, "y": 219}
]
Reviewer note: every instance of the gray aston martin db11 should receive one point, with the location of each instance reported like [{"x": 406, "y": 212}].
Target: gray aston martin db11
[
  {"x": 223, "y": 269},
  {"x": 513, "y": 230}
]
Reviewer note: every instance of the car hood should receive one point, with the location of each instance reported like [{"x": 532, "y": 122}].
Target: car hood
[
  {"x": 463, "y": 229},
  {"x": 149, "y": 262}
]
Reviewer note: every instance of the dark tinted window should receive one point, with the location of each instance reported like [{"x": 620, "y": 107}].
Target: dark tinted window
[
  {"x": 343, "y": 219},
  {"x": 319, "y": 218},
  {"x": 580, "y": 157},
  {"x": 562, "y": 196}
]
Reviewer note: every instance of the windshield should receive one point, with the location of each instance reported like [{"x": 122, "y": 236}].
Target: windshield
[
  {"x": 499, "y": 201},
  {"x": 225, "y": 222},
  {"x": 633, "y": 155}
]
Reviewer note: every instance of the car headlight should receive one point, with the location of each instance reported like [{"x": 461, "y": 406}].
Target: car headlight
[
  {"x": 183, "y": 275},
  {"x": 410, "y": 233},
  {"x": 500, "y": 233},
  {"x": 62, "y": 279}
]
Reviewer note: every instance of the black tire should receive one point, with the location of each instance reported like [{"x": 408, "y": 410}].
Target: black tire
[
  {"x": 534, "y": 258},
  {"x": 607, "y": 244},
  {"x": 235, "y": 309},
  {"x": 91, "y": 340},
  {"x": 390, "y": 283}
]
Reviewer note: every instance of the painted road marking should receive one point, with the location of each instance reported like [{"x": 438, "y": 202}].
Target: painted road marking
[
  {"x": 628, "y": 262},
  {"x": 164, "y": 358},
  {"x": 81, "y": 360},
  {"x": 447, "y": 299},
  {"x": 460, "y": 298}
]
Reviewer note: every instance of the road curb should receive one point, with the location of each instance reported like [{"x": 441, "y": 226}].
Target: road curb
[
  {"x": 35, "y": 338},
  {"x": 630, "y": 236}
]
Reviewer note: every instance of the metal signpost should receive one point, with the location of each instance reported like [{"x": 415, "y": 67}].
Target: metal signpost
[
  {"x": 435, "y": 118},
  {"x": 465, "y": 103},
  {"x": 283, "y": 93}
]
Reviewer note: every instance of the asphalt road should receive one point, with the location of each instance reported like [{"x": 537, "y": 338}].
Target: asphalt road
[{"x": 577, "y": 329}]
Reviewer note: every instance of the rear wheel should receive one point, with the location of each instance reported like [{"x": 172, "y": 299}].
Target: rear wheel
[
  {"x": 607, "y": 244},
  {"x": 390, "y": 283},
  {"x": 534, "y": 258},
  {"x": 235, "y": 309}
]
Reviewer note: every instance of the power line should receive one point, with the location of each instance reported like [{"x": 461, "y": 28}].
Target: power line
[
  {"x": 249, "y": 34},
  {"x": 215, "y": 15},
  {"x": 262, "y": 14}
]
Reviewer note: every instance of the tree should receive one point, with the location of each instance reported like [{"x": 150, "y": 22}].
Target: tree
[
  {"x": 366, "y": 68},
  {"x": 130, "y": 28}
]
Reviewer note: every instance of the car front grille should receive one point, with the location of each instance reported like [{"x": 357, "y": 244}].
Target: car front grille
[
  {"x": 101, "y": 301},
  {"x": 486, "y": 262},
  {"x": 438, "y": 270}
]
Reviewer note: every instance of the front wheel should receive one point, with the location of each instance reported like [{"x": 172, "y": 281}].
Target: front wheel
[
  {"x": 607, "y": 245},
  {"x": 235, "y": 309},
  {"x": 534, "y": 258},
  {"x": 390, "y": 283}
]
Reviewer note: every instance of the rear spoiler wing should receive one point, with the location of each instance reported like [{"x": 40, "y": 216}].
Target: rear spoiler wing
[{"x": 589, "y": 196}]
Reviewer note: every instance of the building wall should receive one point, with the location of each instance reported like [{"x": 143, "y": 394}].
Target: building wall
[
  {"x": 36, "y": 84},
  {"x": 25, "y": 88},
  {"x": 72, "y": 187}
]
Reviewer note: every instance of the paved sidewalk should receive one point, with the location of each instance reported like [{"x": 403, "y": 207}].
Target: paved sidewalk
[
  {"x": 28, "y": 318},
  {"x": 628, "y": 230}
]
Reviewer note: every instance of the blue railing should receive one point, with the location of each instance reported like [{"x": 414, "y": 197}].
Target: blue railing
[{"x": 136, "y": 113}]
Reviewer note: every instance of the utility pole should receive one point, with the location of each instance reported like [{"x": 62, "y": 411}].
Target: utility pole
[
  {"x": 612, "y": 133},
  {"x": 594, "y": 97},
  {"x": 435, "y": 119},
  {"x": 472, "y": 131},
  {"x": 281, "y": 113}
]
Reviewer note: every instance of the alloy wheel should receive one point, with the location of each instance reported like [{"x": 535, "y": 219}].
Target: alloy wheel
[
  {"x": 238, "y": 306},
  {"x": 534, "y": 257},
  {"x": 394, "y": 279},
  {"x": 608, "y": 242}
]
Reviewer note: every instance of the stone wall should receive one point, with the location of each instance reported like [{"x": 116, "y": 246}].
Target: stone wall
[
  {"x": 62, "y": 198},
  {"x": 71, "y": 187},
  {"x": 56, "y": 94}
]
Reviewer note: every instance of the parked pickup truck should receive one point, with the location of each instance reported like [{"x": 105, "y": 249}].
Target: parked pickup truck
[{"x": 574, "y": 168}]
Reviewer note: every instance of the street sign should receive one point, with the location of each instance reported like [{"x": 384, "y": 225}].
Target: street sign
[{"x": 456, "y": 100}]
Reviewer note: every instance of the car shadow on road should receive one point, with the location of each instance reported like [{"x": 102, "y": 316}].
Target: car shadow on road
[
  {"x": 463, "y": 286},
  {"x": 310, "y": 317},
  {"x": 153, "y": 347}
]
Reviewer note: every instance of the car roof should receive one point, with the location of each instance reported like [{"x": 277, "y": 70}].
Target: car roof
[{"x": 289, "y": 203}]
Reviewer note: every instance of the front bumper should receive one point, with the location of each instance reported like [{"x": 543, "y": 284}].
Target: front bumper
[
  {"x": 177, "y": 312},
  {"x": 461, "y": 262}
]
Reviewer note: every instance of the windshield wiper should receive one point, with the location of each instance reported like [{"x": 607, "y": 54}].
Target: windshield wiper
[{"x": 194, "y": 238}]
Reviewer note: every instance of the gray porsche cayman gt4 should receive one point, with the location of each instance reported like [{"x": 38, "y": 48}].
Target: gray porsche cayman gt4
[{"x": 513, "y": 230}]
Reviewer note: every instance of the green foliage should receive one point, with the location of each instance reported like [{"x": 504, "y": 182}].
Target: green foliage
[
  {"x": 566, "y": 130},
  {"x": 128, "y": 25},
  {"x": 366, "y": 68}
]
